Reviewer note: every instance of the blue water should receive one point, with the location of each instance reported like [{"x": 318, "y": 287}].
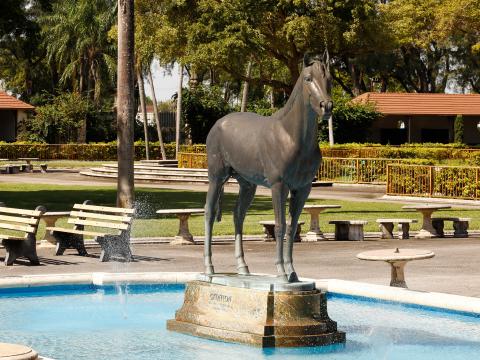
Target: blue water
[{"x": 128, "y": 322}]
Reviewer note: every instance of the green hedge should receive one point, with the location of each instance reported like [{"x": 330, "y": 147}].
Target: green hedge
[{"x": 87, "y": 152}]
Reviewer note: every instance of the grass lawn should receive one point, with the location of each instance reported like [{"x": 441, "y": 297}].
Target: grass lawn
[{"x": 62, "y": 198}]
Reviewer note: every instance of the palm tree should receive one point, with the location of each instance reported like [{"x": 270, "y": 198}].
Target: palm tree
[
  {"x": 77, "y": 44},
  {"x": 125, "y": 103}
]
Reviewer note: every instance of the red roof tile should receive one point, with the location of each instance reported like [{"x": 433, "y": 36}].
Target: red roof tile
[
  {"x": 10, "y": 102},
  {"x": 422, "y": 104}
]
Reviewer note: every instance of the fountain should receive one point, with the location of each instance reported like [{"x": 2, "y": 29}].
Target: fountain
[{"x": 280, "y": 152}]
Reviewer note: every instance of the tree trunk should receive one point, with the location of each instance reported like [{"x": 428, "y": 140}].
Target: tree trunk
[
  {"x": 155, "y": 114},
  {"x": 243, "y": 107},
  {"x": 125, "y": 104},
  {"x": 143, "y": 105},
  {"x": 179, "y": 110}
]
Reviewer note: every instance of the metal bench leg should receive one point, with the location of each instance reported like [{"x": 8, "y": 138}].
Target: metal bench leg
[
  {"x": 269, "y": 231},
  {"x": 21, "y": 248},
  {"x": 69, "y": 241},
  {"x": 387, "y": 230},
  {"x": 461, "y": 228},
  {"x": 439, "y": 225},
  {"x": 114, "y": 247},
  {"x": 403, "y": 231}
]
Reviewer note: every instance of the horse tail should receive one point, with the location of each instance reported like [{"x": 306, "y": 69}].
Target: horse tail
[{"x": 218, "y": 206}]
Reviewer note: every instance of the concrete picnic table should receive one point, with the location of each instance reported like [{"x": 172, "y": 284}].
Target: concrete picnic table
[
  {"x": 427, "y": 231},
  {"x": 50, "y": 218},
  {"x": 397, "y": 258},
  {"x": 184, "y": 237},
  {"x": 29, "y": 160},
  {"x": 315, "y": 234}
]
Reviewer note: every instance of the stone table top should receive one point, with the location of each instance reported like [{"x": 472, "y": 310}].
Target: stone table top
[
  {"x": 306, "y": 207},
  {"x": 396, "y": 254},
  {"x": 180, "y": 211},
  {"x": 426, "y": 207},
  {"x": 28, "y": 158}
]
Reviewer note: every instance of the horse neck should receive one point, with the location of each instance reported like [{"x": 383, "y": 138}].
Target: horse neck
[{"x": 298, "y": 118}]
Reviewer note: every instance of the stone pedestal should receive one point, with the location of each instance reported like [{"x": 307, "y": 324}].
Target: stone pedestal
[
  {"x": 265, "y": 318},
  {"x": 16, "y": 352}
]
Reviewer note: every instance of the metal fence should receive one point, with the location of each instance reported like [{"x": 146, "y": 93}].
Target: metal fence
[
  {"x": 340, "y": 170},
  {"x": 457, "y": 182}
]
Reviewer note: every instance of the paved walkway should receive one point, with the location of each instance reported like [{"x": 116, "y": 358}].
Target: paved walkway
[{"x": 453, "y": 270}]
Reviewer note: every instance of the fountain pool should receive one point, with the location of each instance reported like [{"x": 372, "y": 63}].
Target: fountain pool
[{"x": 128, "y": 322}]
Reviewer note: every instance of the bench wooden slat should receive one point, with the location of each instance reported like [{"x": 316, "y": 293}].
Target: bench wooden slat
[
  {"x": 11, "y": 237},
  {"x": 73, "y": 231},
  {"x": 7, "y": 210},
  {"x": 104, "y": 208},
  {"x": 26, "y": 228},
  {"x": 88, "y": 215},
  {"x": 19, "y": 219},
  {"x": 396, "y": 220},
  {"x": 118, "y": 226}
]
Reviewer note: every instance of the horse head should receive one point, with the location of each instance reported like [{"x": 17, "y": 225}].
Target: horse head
[{"x": 317, "y": 82}]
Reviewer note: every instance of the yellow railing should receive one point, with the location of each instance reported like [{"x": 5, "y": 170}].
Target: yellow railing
[
  {"x": 433, "y": 181},
  {"x": 192, "y": 160}
]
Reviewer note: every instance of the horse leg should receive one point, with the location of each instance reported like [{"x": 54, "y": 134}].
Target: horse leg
[
  {"x": 279, "y": 197},
  {"x": 297, "y": 201},
  {"x": 213, "y": 194},
  {"x": 245, "y": 198}
]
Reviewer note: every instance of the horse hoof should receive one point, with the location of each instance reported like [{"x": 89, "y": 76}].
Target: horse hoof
[
  {"x": 243, "y": 270},
  {"x": 292, "y": 277},
  {"x": 209, "y": 270}
]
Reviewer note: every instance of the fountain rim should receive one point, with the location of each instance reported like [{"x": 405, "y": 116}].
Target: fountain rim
[{"x": 430, "y": 300}]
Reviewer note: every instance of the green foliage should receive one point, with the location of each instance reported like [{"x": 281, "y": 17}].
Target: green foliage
[
  {"x": 458, "y": 129},
  {"x": 351, "y": 122},
  {"x": 86, "y": 152},
  {"x": 59, "y": 120},
  {"x": 202, "y": 106}
]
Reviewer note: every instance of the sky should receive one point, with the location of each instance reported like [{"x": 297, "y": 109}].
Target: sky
[{"x": 166, "y": 83}]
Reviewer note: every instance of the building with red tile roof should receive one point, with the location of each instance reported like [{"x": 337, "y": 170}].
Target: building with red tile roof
[
  {"x": 415, "y": 117},
  {"x": 12, "y": 112}
]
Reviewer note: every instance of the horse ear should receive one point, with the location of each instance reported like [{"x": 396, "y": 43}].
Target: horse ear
[
  {"x": 326, "y": 59},
  {"x": 307, "y": 60}
]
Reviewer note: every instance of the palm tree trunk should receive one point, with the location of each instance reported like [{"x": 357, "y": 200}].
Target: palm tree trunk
[
  {"x": 179, "y": 110},
  {"x": 155, "y": 114},
  {"x": 143, "y": 105},
  {"x": 125, "y": 104}
]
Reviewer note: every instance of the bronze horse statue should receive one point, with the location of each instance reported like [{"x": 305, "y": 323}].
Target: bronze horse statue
[{"x": 280, "y": 152}]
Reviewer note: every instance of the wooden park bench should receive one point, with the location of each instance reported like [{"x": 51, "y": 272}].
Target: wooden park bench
[
  {"x": 349, "y": 229},
  {"x": 460, "y": 226},
  {"x": 21, "y": 240},
  {"x": 108, "y": 226},
  {"x": 269, "y": 229},
  {"x": 386, "y": 227}
]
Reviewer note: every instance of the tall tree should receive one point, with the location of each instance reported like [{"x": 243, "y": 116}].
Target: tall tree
[
  {"x": 125, "y": 103},
  {"x": 143, "y": 106}
]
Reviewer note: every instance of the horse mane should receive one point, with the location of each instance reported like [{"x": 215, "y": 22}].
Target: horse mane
[{"x": 297, "y": 90}]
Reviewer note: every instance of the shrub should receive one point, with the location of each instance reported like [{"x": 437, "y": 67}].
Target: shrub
[{"x": 458, "y": 129}]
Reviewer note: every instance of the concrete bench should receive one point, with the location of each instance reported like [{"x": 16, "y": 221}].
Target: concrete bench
[
  {"x": 460, "y": 226},
  {"x": 43, "y": 168},
  {"x": 269, "y": 229},
  {"x": 349, "y": 229},
  {"x": 21, "y": 240},
  {"x": 386, "y": 227},
  {"x": 15, "y": 168},
  {"x": 111, "y": 230}
]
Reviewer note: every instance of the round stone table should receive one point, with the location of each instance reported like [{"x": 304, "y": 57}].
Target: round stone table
[
  {"x": 397, "y": 258},
  {"x": 184, "y": 237},
  {"x": 427, "y": 231},
  {"x": 16, "y": 352},
  {"x": 315, "y": 234}
]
